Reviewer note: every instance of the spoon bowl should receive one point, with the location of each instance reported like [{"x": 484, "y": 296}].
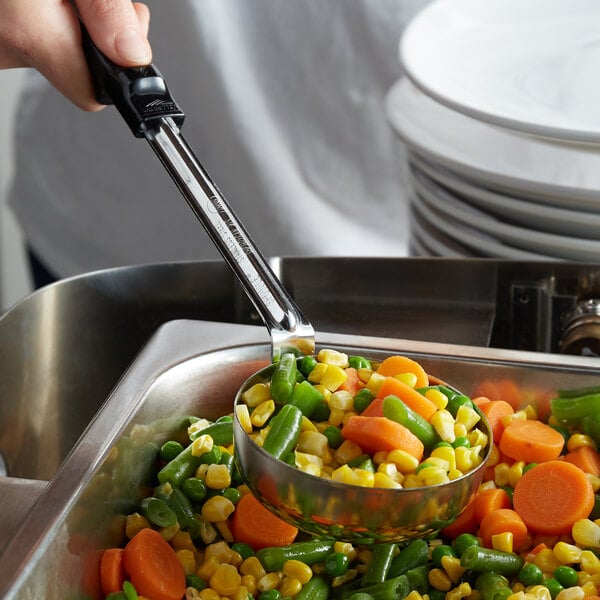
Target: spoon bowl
[{"x": 353, "y": 513}]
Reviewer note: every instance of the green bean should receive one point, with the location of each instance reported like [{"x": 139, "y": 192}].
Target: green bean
[
  {"x": 390, "y": 589},
  {"x": 158, "y": 512},
  {"x": 283, "y": 378},
  {"x": 464, "y": 541},
  {"x": 590, "y": 424},
  {"x": 418, "y": 579},
  {"x": 576, "y": 393},
  {"x": 415, "y": 554},
  {"x": 220, "y": 431},
  {"x": 176, "y": 471},
  {"x": 488, "y": 584},
  {"x": 181, "y": 506},
  {"x": 284, "y": 431},
  {"x": 309, "y": 552},
  {"x": 396, "y": 410},
  {"x": 477, "y": 558},
  {"x": 359, "y": 362},
  {"x": 315, "y": 589},
  {"x": 306, "y": 397},
  {"x": 570, "y": 411},
  {"x": 381, "y": 560}
]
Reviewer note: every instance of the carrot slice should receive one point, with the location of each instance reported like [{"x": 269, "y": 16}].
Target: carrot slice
[
  {"x": 375, "y": 409},
  {"x": 586, "y": 458},
  {"x": 551, "y": 496},
  {"x": 353, "y": 383},
  {"x": 254, "y": 524},
  {"x": 373, "y": 434},
  {"x": 488, "y": 500},
  {"x": 531, "y": 441},
  {"x": 413, "y": 399},
  {"x": 153, "y": 567},
  {"x": 466, "y": 522},
  {"x": 397, "y": 365},
  {"x": 495, "y": 411},
  {"x": 504, "y": 520},
  {"x": 112, "y": 571}
]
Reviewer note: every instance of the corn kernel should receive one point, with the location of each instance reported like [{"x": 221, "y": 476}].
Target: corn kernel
[
  {"x": 217, "y": 508},
  {"x": 217, "y": 477},
  {"x": 167, "y": 533},
  {"x": 453, "y": 568},
  {"x": 546, "y": 561},
  {"x": 336, "y": 417},
  {"x": 447, "y": 454},
  {"x": 477, "y": 437},
  {"x": 375, "y": 382},
  {"x": 307, "y": 425},
  {"x": 466, "y": 458},
  {"x": 413, "y": 595},
  {"x": 333, "y": 377},
  {"x": 323, "y": 390},
  {"x": 317, "y": 373},
  {"x": 223, "y": 528},
  {"x": 225, "y": 580},
  {"x": 187, "y": 560},
  {"x": 467, "y": 416},
  {"x": 541, "y": 592},
  {"x": 347, "y": 451},
  {"x": 567, "y": 553},
  {"x": 405, "y": 462},
  {"x": 252, "y": 566},
  {"x": 460, "y": 591},
  {"x": 437, "y": 397},
  {"x": 586, "y": 533},
  {"x": 289, "y": 587},
  {"x": 345, "y": 474},
  {"x": 433, "y": 476},
  {"x": 443, "y": 423},
  {"x": 134, "y": 524},
  {"x": 390, "y": 470},
  {"x": 268, "y": 582},
  {"x": 208, "y": 533},
  {"x": 571, "y": 593},
  {"x": 202, "y": 445},
  {"x": 197, "y": 426},
  {"x": 207, "y": 568},
  {"x": 243, "y": 415},
  {"x": 341, "y": 400},
  {"x": 595, "y": 481},
  {"x": 515, "y": 472},
  {"x": 309, "y": 463},
  {"x": 333, "y": 357},
  {"x": 409, "y": 379},
  {"x": 580, "y": 440},
  {"x": 256, "y": 394},
  {"x": 501, "y": 474},
  {"x": 439, "y": 579},
  {"x": 381, "y": 480},
  {"x": 241, "y": 593},
  {"x": 349, "y": 575},
  {"x": 182, "y": 540},
  {"x": 249, "y": 582},
  {"x": 349, "y": 550},
  {"x": 590, "y": 562},
  {"x": 364, "y": 374},
  {"x": 220, "y": 551},
  {"x": 313, "y": 442},
  {"x": 503, "y": 541},
  {"x": 296, "y": 568},
  {"x": 209, "y": 594},
  {"x": 262, "y": 413}
]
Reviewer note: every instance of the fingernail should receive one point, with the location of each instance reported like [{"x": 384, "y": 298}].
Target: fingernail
[{"x": 131, "y": 46}]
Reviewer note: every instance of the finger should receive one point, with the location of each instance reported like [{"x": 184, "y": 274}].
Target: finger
[{"x": 119, "y": 29}]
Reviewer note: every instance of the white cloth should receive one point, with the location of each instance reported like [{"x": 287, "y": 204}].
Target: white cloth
[{"x": 284, "y": 104}]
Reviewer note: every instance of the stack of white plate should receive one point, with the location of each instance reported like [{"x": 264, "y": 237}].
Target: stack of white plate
[{"x": 500, "y": 111}]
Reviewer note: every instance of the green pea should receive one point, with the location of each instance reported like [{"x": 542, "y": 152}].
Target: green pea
[
  {"x": 306, "y": 364},
  {"x": 232, "y": 494},
  {"x": 566, "y": 576},
  {"x": 243, "y": 549},
  {"x": 334, "y": 436},
  {"x": 270, "y": 595},
  {"x": 553, "y": 586},
  {"x": 531, "y": 574},
  {"x": 169, "y": 450},
  {"x": 195, "y": 582},
  {"x": 362, "y": 399},
  {"x": 336, "y": 564},
  {"x": 195, "y": 489}
]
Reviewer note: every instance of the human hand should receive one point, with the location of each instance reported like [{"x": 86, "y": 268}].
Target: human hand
[{"x": 45, "y": 35}]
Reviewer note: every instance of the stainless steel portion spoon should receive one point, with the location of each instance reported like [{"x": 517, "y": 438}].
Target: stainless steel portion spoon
[{"x": 144, "y": 101}]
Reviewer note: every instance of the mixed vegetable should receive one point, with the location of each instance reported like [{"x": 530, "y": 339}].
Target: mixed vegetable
[{"x": 530, "y": 532}]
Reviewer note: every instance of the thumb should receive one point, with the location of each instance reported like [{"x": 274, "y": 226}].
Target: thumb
[{"x": 119, "y": 29}]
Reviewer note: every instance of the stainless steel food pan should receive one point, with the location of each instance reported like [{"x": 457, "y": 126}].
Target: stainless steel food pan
[{"x": 196, "y": 367}]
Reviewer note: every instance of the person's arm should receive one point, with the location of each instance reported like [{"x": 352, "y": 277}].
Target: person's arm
[{"x": 45, "y": 35}]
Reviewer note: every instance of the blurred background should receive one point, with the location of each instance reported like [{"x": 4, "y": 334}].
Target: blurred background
[{"x": 14, "y": 276}]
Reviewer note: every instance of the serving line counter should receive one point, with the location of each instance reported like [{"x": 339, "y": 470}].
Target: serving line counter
[{"x": 94, "y": 362}]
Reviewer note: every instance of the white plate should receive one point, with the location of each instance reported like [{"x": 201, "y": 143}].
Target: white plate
[
  {"x": 481, "y": 244},
  {"x": 429, "y": 241},
  {"x": 558, "y": 174},
  {"x": 531, "y": 65},
  {"x": 547, "y": 244},
  {"x": 517, "y": 210}
]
